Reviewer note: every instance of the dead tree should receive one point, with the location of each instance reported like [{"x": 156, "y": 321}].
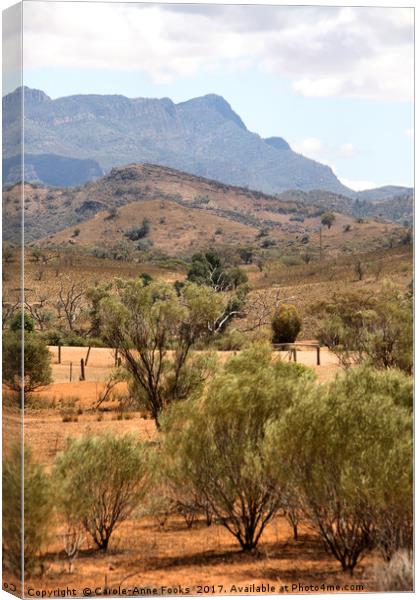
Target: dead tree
[
  {"x": 8, "y": 310},
  {"x": 39, "y": 312},
  {"x": 70, "y": 301}
]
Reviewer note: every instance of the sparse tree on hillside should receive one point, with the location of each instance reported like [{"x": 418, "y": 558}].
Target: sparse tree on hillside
[
  {"x": 138, "y": 233},
  {"x": 122, "y": 250},
  {"x": 328, "y": 219},
  {"x": 359, "y": 269},
  {"x": 208, "y": 268},
  {"x": 112, "y": 213},
  {"x": 247, "y": 255},
  {"x": 36, "y": 253}
]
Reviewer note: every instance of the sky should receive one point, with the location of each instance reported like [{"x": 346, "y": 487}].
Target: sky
[{"x": 335, "y": 82}]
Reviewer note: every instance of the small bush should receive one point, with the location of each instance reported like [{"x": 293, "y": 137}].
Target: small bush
[
  {"x": 37, "y": 368},
  {"x": 100, "y": 481},
  {"x": 112, "y": 213},
  {"x": 298, "y": 218},
  {"x": 360, "y": 327},
  {"x": 231, "y": 340},
  {"x": 138, "y": 233},
  {"x": 328, "y": 219},
  {"x": 68, "y": 410},
  {"x": 37, "y": 514},
  {"x": 268, "y": 243},
  {"x": 292, "y": 261},
  {"x": 286, "y": 324}
]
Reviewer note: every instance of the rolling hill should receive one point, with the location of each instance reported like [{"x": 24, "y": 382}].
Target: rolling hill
[
  {"x": 396, "y": 207},
  {"x": 185, "y": 213}
]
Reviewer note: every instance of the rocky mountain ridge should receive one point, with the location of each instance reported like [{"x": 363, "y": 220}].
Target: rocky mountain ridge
[{"x": 203, "y": 136}]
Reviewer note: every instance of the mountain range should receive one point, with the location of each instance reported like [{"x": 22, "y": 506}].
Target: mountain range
[{"x": 202, "y": 136}]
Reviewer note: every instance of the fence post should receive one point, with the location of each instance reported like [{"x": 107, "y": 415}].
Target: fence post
[
  {"x": 71, "y": 370},
  {"x": 87, "y": 356},
  {"x": 116, "y": 357},
  {"x": 318, "y": 355},
  {"x": 59, "y": 354},
  {"x": 82, "y": 369},
  {"x": 294, "y": 355}
]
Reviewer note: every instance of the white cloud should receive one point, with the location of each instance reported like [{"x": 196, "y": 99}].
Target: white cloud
[
  {"x": 322, "y": 151},
  {"x": 312, "y": 147},
  {"x": 346, "y": 151},
  {"x": 324, "y": 51},
  {"x": 358, "y": 184}
]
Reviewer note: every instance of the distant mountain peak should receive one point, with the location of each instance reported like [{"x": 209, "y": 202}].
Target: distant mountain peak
[
  {"x": 219, "y": 104},
  {"x": 30, "y": 94},
  {"x": 203, "y": 136},
  {"x": 277, "y": 142}
]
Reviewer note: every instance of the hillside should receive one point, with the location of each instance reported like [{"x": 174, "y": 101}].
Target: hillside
[
  {"x": 173, "y": 228},
  {"x": 203, "y": 136},
  {"x": 384, "y": 192},
  {"x": 48, "y": 210},
  {"x": 184, "y": 212},
  {"x": 396, "y": 207}
]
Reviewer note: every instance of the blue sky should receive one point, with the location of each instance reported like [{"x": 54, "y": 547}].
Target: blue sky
[{"x": 336, "y": 83}]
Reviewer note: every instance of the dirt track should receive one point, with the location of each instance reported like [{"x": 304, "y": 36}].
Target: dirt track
[{"x": 102, "y": 360}]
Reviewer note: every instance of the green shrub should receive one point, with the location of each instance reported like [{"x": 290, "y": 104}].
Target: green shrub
[
  {"x": 328, "y": 219},
  {"x": 100, "y": 482},
  {"x": 214, "y": 444},
  {"x": 112, "y": 213},
  {"x": 37, "y": 515},
  {"x": 391, "y": 384},
  {"x": 138, "y": 233},
  {"x": 231, "y": 340},
  {"x": 37, "y": 368},
  {"x": 359, "y": 327},
  {"x": 291, "y": 261},
  {"x": 55, "y": 337},
  {"x": 286, "y": 324},
  {"x": 347, "y": 452},
  {"x": 268, "y": 243},
  {"x": 16, "y": 323}
]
